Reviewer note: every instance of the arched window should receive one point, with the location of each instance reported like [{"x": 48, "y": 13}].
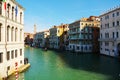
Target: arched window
[
  {"x": 12, "y": 32},
  {"x": 16, "y": 12},
  {"x": 0, "y": 7},
  {"x": 0, "y": 32},
  {"x": 20, "y": 17},
  {"x": 16, "y": 30},
  {"x": 12, "y": 13},
  {"x": 8, "y": 33},
  {"x": 16, "y": 53},
  {"x": 8, "y": 10},
  {"x": 20, "y": 34}
]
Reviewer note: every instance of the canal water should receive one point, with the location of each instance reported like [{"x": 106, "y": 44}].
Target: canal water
[{"x": 52, "y": 65}]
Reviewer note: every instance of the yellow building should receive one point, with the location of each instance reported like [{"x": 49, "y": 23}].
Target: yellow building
[{"x": 56, "y": 38}]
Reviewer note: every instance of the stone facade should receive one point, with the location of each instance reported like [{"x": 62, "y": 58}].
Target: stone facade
[
  {"x": 40, "y": 39},
  {"x": 11, "y": 37},
  {"x": 110, "y": 33},
  {"x": 81, "y": 35}
]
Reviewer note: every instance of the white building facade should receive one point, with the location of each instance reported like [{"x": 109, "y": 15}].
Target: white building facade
[
  {"x": 110, "y": 33},
  {"x": 11, "y": 37}
]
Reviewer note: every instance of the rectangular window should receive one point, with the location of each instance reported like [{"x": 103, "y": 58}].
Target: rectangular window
[
  {"x": 117, "y": 23},
  {"x": 117, "y": 13},
  {"x": 117, "y": 34},
  {"x": 1, "y": 57},
  {"x": 21, "y": 62},
  {"x": 101, "y": 26},
  {"x": 112, "y": 43},
  {"x": 8, "y": 55},
  {"x": 113, "y": 34},
  {"x": 101, "y": 35},
  {"x": 12, "y": 54},
  {"x": 108, "y": 25},
  {"x": 20, "y": 52},
  {"x": 90, "y": 48},
  {"x": 113, "y": 24},
  {"x": 15, "y": 53},
  {"x": 8, "y": 68},
  {"x": 106, "y": 43},
  {"x": 113, "y": 14},
  {"x": 78, "y": 48},
  {"x": 112, "y": 50},
  {"x": 101, "y": 19},
  {"x": 107, "y": 17}
]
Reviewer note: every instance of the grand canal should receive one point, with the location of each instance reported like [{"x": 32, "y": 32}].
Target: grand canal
[{"x": 52, "y": 65}]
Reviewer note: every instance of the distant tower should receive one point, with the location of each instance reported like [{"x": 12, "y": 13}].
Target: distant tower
[{"x": 34, "y": 28}]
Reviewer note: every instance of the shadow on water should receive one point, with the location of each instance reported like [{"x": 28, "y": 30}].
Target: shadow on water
[{"x": 93, "y": 63}]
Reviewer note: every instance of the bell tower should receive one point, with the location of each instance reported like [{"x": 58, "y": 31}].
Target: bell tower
[{"x": 34, "y": 28}]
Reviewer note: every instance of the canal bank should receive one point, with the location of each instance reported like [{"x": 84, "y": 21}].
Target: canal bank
[{"x": 52, "y": 65}]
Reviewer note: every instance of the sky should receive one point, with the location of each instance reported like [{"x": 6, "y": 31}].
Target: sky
[{"x": 47, "y": 13}]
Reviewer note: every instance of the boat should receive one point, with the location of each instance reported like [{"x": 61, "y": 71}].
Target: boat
[{"x": 45, "y": 49}]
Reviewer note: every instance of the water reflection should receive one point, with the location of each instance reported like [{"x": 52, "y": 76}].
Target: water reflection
[{"x": 51, "y": 65}]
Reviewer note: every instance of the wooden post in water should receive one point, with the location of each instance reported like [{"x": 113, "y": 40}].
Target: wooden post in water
[{"x": 16, "y": 71}]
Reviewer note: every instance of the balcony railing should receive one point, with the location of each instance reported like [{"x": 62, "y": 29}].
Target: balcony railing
[
  {"x": 107, "y": 39},
  {"x": 74, "y": 32}
]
